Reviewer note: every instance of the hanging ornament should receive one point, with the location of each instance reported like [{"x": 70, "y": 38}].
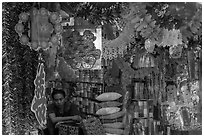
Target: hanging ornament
[
  {"x": 39, "y": 102},
  {"x": 19, "y": 28},
  {"x": 44, "y": 45},
  {"x": 34, "y": 46},
  {"x": 175, "y": 51},
  {"x": 80, "y": 50},
  {"x": 24, "y": 16},
  {"x": 55, "y": 17},
  {"x": 149, "y": 45},
  {"x": 43, "y": 23},
  {"x": 43, "y": 12},
  {"x": 88, "y": 62},
  {"x": 24, "y": 40},
  {"x": 146, "y": 60},
  {"x": 58, "y": 28},
  {"x": 55, "y": 40},
  {"x": 171, "y": 38}
]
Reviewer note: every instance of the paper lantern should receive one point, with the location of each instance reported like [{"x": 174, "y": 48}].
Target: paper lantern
[
  {"x": 43, "y": 12},
  {"x": 146, "y": 60},
  {"x": 149, "y": 45}
]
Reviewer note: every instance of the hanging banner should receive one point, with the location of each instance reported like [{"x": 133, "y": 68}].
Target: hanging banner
[{"x": 39, "y": 103}]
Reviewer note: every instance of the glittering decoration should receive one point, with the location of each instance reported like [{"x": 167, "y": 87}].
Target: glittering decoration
[
  {"x": 41, "y": 27},
  {"x": 39, "y": 103},
  {"x": 117, "y": 47},
  {"x": 19, "y": 65}
]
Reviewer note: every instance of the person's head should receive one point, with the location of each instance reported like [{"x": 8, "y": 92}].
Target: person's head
[{"x": 58, "y": 96}]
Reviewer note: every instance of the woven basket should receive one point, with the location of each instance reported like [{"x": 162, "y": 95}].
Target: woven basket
[
  {"x": 92, "y": 126},
  {"x": 68, "y": 128}
]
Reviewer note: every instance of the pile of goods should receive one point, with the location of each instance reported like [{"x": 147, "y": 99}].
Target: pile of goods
[{"x": 110, "y": 113}]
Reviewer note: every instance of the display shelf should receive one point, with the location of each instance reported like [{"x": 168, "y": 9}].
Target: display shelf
[
  {"x": 142, "y": 100},
  {"x": 89, "y": 86}
]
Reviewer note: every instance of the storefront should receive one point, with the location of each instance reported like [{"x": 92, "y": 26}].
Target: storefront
[{"x": 129, "y": 68}]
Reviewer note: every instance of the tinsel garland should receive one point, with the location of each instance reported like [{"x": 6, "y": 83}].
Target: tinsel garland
[{"x": 18, "y": 75}]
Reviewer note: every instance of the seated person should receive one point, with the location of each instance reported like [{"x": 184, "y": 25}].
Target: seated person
[{"x": 60, "y": 110}]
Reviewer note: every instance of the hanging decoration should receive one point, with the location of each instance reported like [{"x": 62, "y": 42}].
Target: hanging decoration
[
  {"x": 171, "y": 38},
  {"x": 117, "y": 47},
  {"x": 44, "y": 28},
  {"x": 146, "y": 60},
  {"x": 149, "y": 45},
  {"x": 175, "y": 51},
  {"x": 39, "y": 103},
  {"x": 80, "y": 50}
]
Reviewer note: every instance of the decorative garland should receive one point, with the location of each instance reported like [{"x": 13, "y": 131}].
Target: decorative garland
[{"x": 18, "y": 75}]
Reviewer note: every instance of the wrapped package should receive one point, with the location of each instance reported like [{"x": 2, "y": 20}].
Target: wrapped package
[
  {"x": 108, "y": 110},
  {"x": 108, "y": 96}
]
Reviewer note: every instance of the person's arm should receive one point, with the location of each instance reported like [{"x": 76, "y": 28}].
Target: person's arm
[{"x": 55, "y": 119}]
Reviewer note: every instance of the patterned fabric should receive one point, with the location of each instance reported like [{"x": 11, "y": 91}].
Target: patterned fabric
[
  {"x": 68, "y": 129},
  {"x": 92, "y": 126}
]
